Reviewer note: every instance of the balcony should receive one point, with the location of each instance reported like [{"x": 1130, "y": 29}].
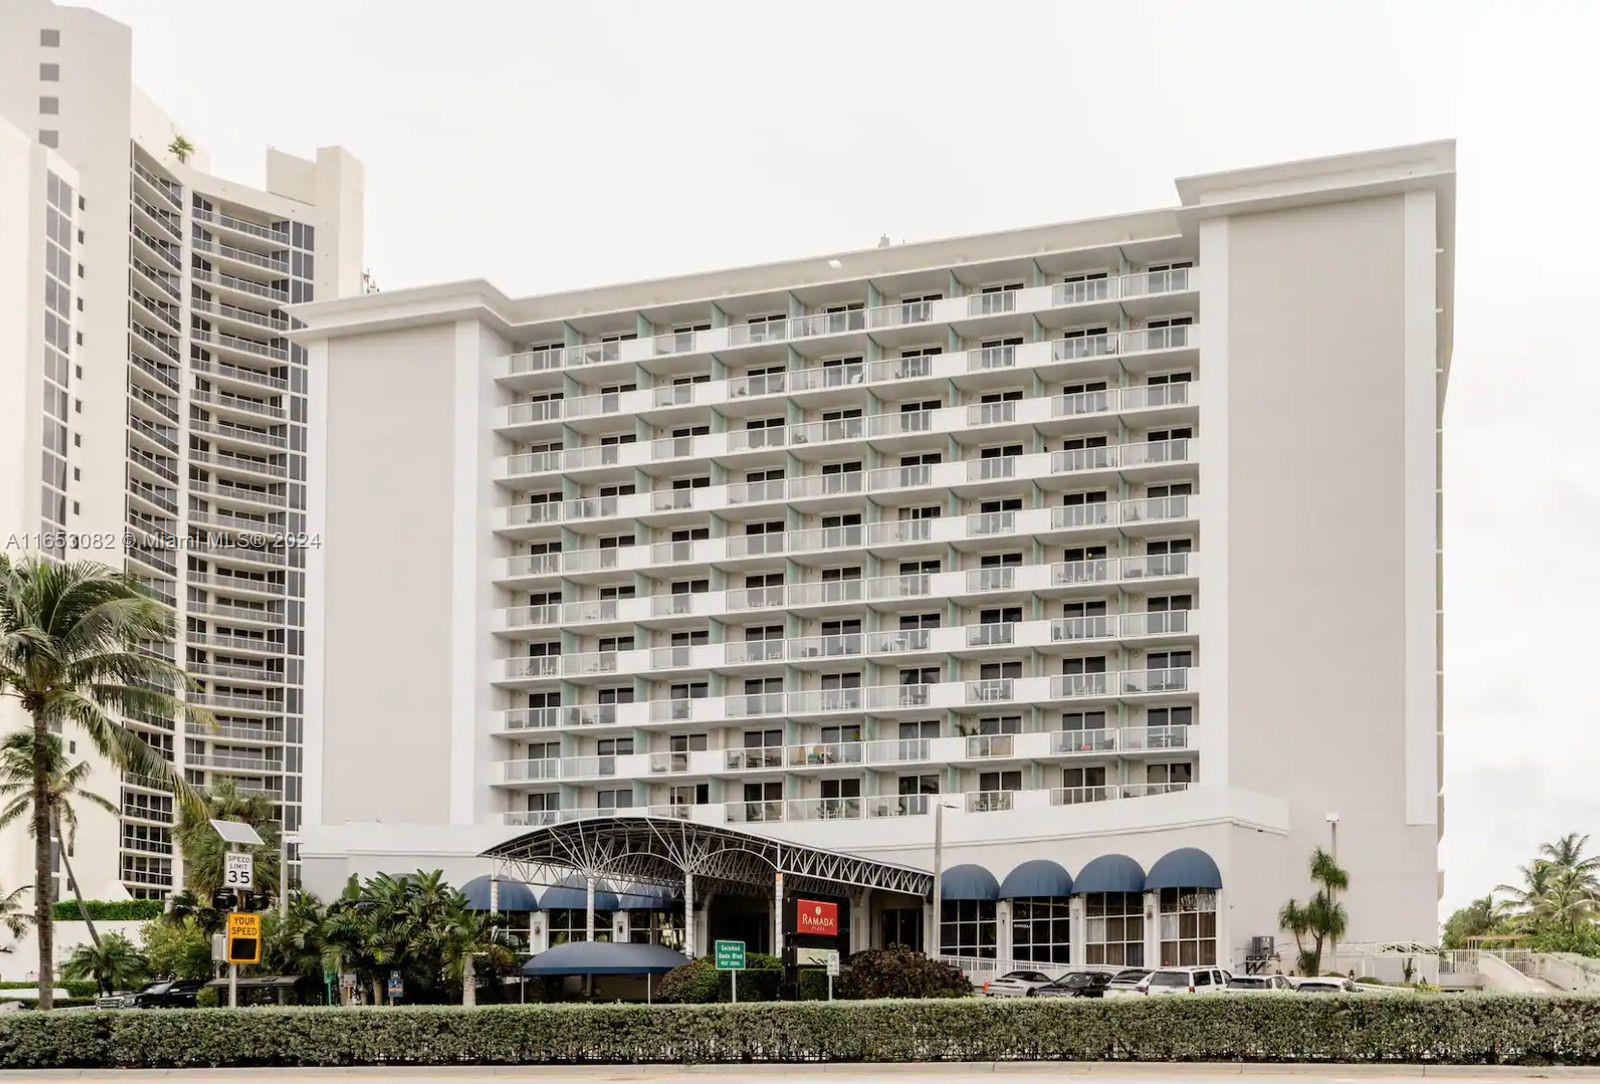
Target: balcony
[
  {"x": 1059, "y": 578},
  {"x": 961, "y": 697},
  {"x": 969, "y": 476},
  {"x": 819, "y": 326},
  {"x": 275, "y": 263},
  {"x": 1037, "y": 412}
]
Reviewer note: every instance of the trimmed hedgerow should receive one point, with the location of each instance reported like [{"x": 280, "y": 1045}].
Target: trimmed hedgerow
[
  {"x": 110, "y": 910},
  {"x": 1466, "y": 1029}
]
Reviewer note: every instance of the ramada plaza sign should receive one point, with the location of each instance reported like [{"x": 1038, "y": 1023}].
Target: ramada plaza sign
[{"x": 813, "y": 918}]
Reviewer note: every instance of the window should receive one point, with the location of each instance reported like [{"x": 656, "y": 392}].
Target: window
[
  {"x": 49, "y": 138},
  {"x": 49, "y": 73},
  {"x": 1162, "y": 778},
  {"x": 1114, "y": 928},
  {"x": 1041, "y": 930},
  {"x": 1188, "y": 927},
  {"x": 571, "y": 924},
  {"x": 50, "y": 106},
  {"x": 50, "y": 39},
  {"x": 902, "y": 926},
  {"x": 967, "y": 928}
]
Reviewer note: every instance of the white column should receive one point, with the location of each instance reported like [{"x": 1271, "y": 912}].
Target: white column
[
  {"x": 1152, "y": 929},
  {"x": 1002, "y": 931},
  {"x": 860, "y": 921},
  {"x": 622, "y": 927},
  {"x": 1079, "y": 931},
  {"x": 588, "y": 919},
  {"x": 688, "y": 915},
  {"x": 777, "y": 914}
]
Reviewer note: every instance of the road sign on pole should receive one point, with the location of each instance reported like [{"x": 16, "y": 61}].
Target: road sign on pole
[
  {"x": 239, "y": 871},
  {"x": 244, "y": 938},
  {"x": 730, "y": 957}
]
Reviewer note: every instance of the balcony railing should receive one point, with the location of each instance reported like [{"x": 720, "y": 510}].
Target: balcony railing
[{"x": 854, "y": 321}]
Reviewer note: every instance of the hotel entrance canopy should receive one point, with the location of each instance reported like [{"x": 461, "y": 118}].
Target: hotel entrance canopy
[{"x": 682, "y": 854}]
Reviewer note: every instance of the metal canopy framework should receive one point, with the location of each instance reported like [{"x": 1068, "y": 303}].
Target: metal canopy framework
[{"x": 666, "y": 850}]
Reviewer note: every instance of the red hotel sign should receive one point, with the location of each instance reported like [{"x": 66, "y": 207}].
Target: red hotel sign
[{"x": 816, "y": 919}]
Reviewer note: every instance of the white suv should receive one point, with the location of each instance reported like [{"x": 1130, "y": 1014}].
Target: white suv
[{"x": 1185, "y": 980}]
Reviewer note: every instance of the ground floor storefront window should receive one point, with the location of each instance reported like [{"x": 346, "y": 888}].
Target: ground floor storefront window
[
  {"x": 967, "y": 928},
  {"x": 1041, "y": 930},
  {"x": 1114, "y": 928},
  {"x": 1188, "y": 927},
  {"x": 573, "y": 925},
  {"x": 902, "y": 926}
]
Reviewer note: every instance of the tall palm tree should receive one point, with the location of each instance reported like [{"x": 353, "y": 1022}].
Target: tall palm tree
[
  {"x": 1566, "y": 854},
  {"x": 1524, "y": 898},
  {"x": 468, "y": 936},
  {"x": 1322, "y": 918},
  {"x": 69, "y": 652},
  {"x": 203, "y": 849},
  {"x": 65, "y": 786}
]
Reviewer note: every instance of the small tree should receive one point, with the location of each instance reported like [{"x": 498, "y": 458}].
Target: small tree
[
  {"x": 1322, "y": 918},
  {"x": 180, "y": 148},
  {"x": 112, "y": 963}
]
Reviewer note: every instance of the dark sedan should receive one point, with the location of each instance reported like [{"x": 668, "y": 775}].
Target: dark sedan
[{"x": 1075, "y": 984}]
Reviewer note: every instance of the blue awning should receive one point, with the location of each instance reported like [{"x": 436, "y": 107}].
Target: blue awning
[
  {"x": 1186, "y": 867},
  {"x": 514, "y": 895},
  {"x": 646, "y": 898},
  {"x": 572, "y": 895},
  {"x": 1110, "y": 873},
  {"x": 968, "y": 882},
  {"x": 604, "y": 958},
  {"x": 1037, "y": 877}
]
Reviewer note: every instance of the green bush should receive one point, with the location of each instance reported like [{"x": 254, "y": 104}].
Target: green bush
[
  {"x": 1468, "y": 1029},
  {"x": 899, "y": 972},
  {"x": 110, "y": 910},
  {"x": 698, "y": 982},
  {"x": 85, "y": 989}
]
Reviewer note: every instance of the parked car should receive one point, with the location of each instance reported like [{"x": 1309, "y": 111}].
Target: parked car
[
  {"x": 1074, "y": 984},
  {"x": 1015, "y": 984},
  {"x": 1126, "y": 983},
  {"x": 1185, "y": 980},
  {"x": 167, "y": 994},
  {"x": 1259, "y": 984},
  {"x": 1325, "y": 984}
]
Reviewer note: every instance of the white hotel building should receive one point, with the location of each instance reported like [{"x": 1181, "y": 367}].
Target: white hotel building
[
  {"x": 1117, "y": 538},
  {"x": 153, "y": 412}
]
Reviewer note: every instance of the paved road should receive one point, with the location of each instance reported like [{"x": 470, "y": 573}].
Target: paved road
[{"x": 834, "y": 1074}]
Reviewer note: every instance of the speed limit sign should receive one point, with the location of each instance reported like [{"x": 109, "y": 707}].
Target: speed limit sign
[{"x": 239, "y": 871}]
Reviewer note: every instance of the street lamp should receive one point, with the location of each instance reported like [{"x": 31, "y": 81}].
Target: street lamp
[
  {"x": 1332, "y": 817},
  {"x": 938, "y": 873}
]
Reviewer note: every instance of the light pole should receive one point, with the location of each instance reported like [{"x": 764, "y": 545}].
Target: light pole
[{"x": 938, "y": 875}]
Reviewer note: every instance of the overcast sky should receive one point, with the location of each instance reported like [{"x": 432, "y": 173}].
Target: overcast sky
[{"x": 545, "y": 146}]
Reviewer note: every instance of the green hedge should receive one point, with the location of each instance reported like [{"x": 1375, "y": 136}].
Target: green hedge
[
  {"x": 1467, "y": 1029},
  {"x": 110, "y": 910},
  {"x": 85, "y": 989}
]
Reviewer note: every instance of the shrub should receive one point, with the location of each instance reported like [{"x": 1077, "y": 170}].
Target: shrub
[
  {"x": 1469, "y": 1029},
  {"x": 110, "y": 910},
  {"x": 898, "y": 972},
  {"x": 699, "y": 982}
]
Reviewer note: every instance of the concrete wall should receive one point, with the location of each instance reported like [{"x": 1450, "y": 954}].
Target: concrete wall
[
  {"x": 386, "y": 536},
  {"x": 1320, "y": 690}
]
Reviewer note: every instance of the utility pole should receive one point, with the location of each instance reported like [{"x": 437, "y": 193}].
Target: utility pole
[
  {"x": 1333, "y": 847},
  {"x": 938, "y": 879}
]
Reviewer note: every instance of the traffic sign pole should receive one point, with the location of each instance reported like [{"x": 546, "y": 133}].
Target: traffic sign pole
[{"x": 735, "y": 975}]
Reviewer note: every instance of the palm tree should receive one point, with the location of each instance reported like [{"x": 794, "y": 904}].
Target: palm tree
[
  {"x": 16, "y": 789},
  {"x": 1481, "y": 916},
  {"x": 112, "y": 962},
  {"x": 469, "y": 935},
  {"x": 69, "y": 652},
  {"x": 203, "y": 849},
  {"x": 12, "y": 916},
  {"x": 180, "y": 148},
  {"x": 1322, "y": 918}
]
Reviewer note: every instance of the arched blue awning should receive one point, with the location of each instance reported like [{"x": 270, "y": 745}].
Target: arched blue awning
[
  {"x": 1186, "y": 867},
  {"x": 645, "y": 898},
  {"x": 1110, "y": 873},
  {"x": 604, "y": 958},
  {"x": 968, "y": 882},
  {"x": 514, "y": 895},
  {"x": 572, "y": 895},
  {"x": 1037, "y": 877}
]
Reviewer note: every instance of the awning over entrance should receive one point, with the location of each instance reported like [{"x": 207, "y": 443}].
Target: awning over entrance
[
  {"x": 604, "y": 958},
  {"x": 573, "y": 895},
  {"x": 1186, "y": 867},
  {"x": 660, "y": 850}
]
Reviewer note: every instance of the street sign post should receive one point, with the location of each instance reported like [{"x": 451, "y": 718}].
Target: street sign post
[
  {"x": 238, "y": 871},
  {"x": 730, "y": 957}
]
